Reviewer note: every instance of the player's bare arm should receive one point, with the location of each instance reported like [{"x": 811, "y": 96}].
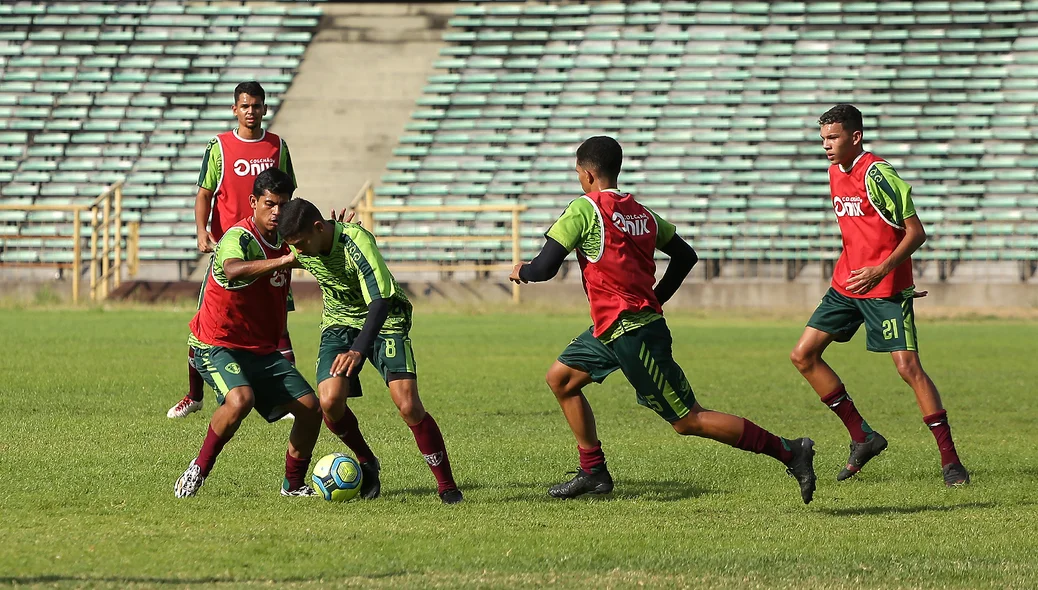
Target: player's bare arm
[
  {"x": 237, "y": 269},
  {"x": 203, "y": 208},
  {"x": 863, "y": 280}
]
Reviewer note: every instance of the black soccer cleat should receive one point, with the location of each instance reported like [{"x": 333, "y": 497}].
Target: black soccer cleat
[
  {"x": 861, "y": 453},
  {"x": 585, "y": 482},
  {"x": 955, "y": 475},
  {"x": 802, "y": 466},
  {"x": 370, "y": 485},
  {"x": 451, "y": 496}
]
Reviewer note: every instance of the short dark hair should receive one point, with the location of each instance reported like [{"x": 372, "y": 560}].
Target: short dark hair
[
  {"x": 602, "y": 154},
  {"x": 252, "y": 88},
  {"x": 275, "y": 181},
  {"x": 296, "y": 216},
  {"x": 845, "y": 114}
]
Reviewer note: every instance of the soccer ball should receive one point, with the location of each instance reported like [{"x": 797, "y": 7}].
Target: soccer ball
[{"x": 337, "y": 477}]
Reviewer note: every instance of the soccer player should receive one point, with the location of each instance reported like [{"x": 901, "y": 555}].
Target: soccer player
[
  {"x": 615, "y": 238},
  {"x": 242, "y": 315},
  {"x": 246, "y": 150},
  {"x": 366, "y": 316},
  {"x": 872, "y": 284}
]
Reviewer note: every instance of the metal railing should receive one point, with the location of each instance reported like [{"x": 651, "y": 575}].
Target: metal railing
[
  {"x": 106, "y": 242},
  {"x": 364, "y": 204}
]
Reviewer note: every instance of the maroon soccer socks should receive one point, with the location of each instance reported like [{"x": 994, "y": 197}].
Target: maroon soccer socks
[
  {"x": 591, "y": 459},
  {"x": 430, "y": 442},
  {"x": 348, "y": 431},
  {"x": 938, "y": 425},
  {"x": 211, "y": 448},
  {"x": 757, "y": 440},
  {"x": 194, "y": 379},
  {"x": 843, "y": 406}
]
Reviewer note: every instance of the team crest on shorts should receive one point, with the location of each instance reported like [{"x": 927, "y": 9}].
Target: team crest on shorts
[{"x": 232, "y": 368}]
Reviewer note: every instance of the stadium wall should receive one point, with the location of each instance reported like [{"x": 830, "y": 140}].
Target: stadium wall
[{"x": 696, "y": 294}]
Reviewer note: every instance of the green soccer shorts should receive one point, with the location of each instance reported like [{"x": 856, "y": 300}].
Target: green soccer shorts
[
  {"x": 645, "y": 357},
  {"x": 392, "y": 355},
  {"x": 889, "y": 321},
  {"x": 274, "y": 381}
]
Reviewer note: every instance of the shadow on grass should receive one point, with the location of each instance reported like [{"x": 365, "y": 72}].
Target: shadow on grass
[
  {"x": 431, "y": 490},
  {"x": 627, "y": 489},
  {"x": 156, "y": 581},
  {"x": 876, "y": 510}
]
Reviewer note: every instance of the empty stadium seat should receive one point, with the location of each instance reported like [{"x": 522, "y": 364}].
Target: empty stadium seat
[
  {"x": 85, "y": 91},
  {"x": 717, "y": 121}
]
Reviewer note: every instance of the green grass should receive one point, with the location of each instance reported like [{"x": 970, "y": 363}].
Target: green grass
[{"x": 88, "y": 460}]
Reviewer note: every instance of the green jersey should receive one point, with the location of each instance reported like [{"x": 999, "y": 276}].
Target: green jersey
[
  {"x": 891, "y": 196},
  {"x": 353, "y": 275},
  {"x": 238, "y": 243},
  {"x": 580, "y": 228}
]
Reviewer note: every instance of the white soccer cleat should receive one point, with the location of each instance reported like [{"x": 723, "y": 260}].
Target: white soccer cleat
[
  {"x": 298, "y": 492},
  {"x": 189, "y": 483},
  {"x": 184, "y": 407},
  {"x": 287, "y": 416}
]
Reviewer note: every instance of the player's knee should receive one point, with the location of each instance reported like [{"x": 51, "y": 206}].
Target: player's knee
[
  {"x": 559, "y": 381},
  {"x": 690, "y": 425},
  {"x": 330, "y": 401},
  {"x": 910, "y": 369},
  {"x": 309, "y": 409},
  {"x": 802, "y": 358},
  {"x": 240, "y": 400},
  {"x": 411, "y": 410},
  {"x": 554, "y": 382}
]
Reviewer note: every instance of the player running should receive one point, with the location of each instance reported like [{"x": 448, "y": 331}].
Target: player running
[
  {"x": 615, "y": 238},
  {"x": 366, "y": 316},
  {"x": 241, "y": 316},
  {"x": 247, "y": 150},
  {"x": 872, "y": 284}
]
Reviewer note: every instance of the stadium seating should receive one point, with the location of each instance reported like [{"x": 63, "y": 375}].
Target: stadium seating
[
  {"x": 96, "y": 92},
  {"x": 715, "y": 104}
]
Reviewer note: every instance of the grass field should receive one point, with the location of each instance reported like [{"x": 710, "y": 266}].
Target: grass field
[{"x": 88, "y": 460}]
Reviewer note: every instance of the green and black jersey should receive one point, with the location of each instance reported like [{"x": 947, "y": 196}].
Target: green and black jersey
[{"x": 353, "y": 275}]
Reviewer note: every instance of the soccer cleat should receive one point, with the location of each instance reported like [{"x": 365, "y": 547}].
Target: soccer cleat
[
  {"x": 802, "y": 467},
  {"x": 451, "y": 496},
  {"x": 955, "y": 475},
  {"x": 189, "y": 483},
  {"x": 299, "y": 492},
  {"x": 288, "y": 416},
  {"x": 585, "y": 482},
  {"x": 184, "y": 407},
  {"x": 861, "y": 453},
  {"x": 370, "y": 485}
]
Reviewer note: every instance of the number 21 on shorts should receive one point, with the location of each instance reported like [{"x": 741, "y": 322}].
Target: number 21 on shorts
[{"x": 890, "y": 330}]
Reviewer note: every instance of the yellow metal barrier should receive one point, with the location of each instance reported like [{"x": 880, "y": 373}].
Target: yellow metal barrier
[
  {"x": 106, "y": 226},
  {"x": 364, "y": 205}
]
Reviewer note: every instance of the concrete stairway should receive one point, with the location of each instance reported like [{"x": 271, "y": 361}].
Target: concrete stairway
[{"x": 355, "y": 92}]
